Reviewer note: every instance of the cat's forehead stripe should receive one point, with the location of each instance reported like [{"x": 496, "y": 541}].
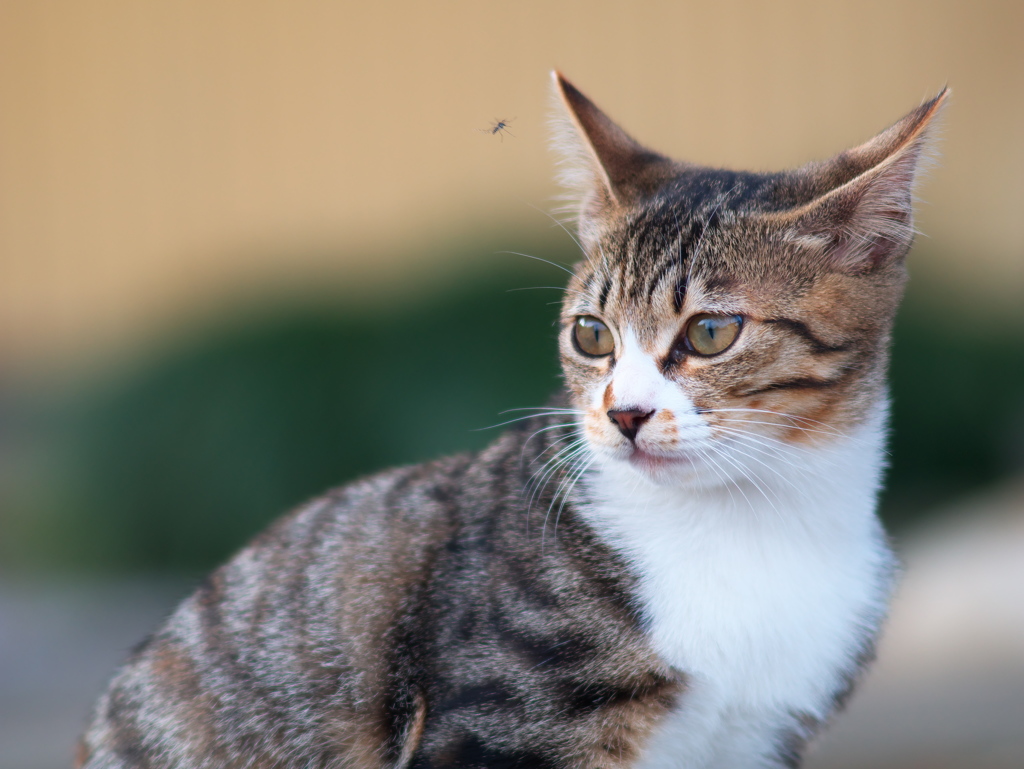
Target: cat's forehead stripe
[
  {"x": 657, "y": 245},
  {"x": 664, "y": 236}
]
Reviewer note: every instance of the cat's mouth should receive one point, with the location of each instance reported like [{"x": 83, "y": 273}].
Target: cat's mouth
[{"x": 651, "y": 462}]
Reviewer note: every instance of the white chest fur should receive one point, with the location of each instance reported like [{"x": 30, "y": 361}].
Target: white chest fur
[{"x": 761, "y": 594}]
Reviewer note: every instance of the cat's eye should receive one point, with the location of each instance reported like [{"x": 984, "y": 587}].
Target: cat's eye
[
  {"x": 592, "y": 337},
  {"x": 711, "y": 334}
]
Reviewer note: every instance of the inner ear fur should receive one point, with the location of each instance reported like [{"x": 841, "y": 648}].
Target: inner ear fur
[
  {"x": 603, "y": 166},
  {"x": 862, "y": 217}
]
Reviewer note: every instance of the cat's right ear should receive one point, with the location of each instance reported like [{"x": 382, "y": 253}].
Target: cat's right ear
[{"x": 603, "y": 167}]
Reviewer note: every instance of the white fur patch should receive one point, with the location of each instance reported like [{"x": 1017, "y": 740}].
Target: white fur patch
[{"x": 761, "y": 589}]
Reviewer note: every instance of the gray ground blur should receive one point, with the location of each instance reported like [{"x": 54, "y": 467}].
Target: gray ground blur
[{"x": 947, "y": 692}]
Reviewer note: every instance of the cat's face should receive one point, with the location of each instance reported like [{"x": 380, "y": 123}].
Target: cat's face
[
  {"x": 686, "y": 352},
  {"x": 719, "y": 319}
]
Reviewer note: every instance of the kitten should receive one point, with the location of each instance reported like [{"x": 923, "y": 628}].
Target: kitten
[{"x": 677, "y": 565}]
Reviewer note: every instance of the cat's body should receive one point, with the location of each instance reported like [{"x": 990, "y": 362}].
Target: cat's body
[{"x": 677, "y": 566}]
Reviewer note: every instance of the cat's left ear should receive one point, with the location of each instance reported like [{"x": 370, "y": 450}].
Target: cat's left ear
[{"x": 862, "y": 215}]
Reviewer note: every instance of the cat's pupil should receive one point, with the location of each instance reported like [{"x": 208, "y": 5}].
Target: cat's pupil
[{"x": 592, "y": 337}]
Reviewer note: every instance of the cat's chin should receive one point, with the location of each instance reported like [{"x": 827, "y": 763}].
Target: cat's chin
[
  {"x": 663, "y": 469},
  {"x": 649, "y": 462}
]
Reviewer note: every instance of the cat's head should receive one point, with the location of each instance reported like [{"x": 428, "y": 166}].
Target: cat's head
[{"x": 718, "y": 315}]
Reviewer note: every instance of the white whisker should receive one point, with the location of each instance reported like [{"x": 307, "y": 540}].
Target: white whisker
[
  {"x": 523, "y": 419},
  {"x": 783, "y": 414},
  {"x": 564, "y": 289},
  {"x": 562, "y": 267},
  {"x": 570, "y": 459},
  {"x": 753, "y": 481},
  {"x": 771, "y": 446},
  {"x": 540, "y": 477},
  {"x": 768, "y": 467},
  {"x": 727, "y": 482},
  {"x": 560, "y": 224},
  {"x": 545, "y": 409},
  {"x": 539, "y": 480},
  {"x": 575, "y": 473}
]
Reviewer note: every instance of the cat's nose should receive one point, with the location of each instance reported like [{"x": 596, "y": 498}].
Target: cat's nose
[{"x": 629, "y": 420}]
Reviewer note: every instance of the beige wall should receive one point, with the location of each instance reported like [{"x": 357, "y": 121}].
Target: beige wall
[{"x": 159, "y": 157}]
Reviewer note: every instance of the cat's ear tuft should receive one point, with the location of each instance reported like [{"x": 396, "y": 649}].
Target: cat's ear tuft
[
  {"x": 862, "y": 215},
  {"x": 602, "y": 166}
]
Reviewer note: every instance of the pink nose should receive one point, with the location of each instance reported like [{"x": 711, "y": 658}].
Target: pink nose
[{"x": 629, "y": 420}]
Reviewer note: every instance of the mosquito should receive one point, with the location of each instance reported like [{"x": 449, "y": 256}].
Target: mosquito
[{"x": 499, "y": 127}]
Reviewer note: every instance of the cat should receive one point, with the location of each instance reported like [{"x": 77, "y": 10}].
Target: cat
[{"x": 677, "y": 564}]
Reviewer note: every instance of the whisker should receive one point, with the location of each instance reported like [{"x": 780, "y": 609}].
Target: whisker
[
  {"x": 555, "y": 445},
  {"x": 556, "y": 221},
  {"x": 560, "y": 450},
  {"x": 546, "y": 429},
  {"x": 727, "y": 482},
  {"x": 565, "y": 289},
  {"x": 577, "y": 461},
  {"x": 768, "y": 467},
  {"x": 572, "y": 458},
  {"x": 551, "y": 409},
  {"x": 771, "y": 444},
  {"x": 542, "y": 476},
  {"x": 829, "y": 429},
  {"x": 562, "y": 454},
  {"x": 522, "y": 419},
  {"x": 562, "y": 267},
  {"x": 739, "y": 488},
  {"x": 571, "y": 427},
  {"x": 575, "y": 473},
  {"x": 750, "y": 476},
  {"x": 830, "y": 433},
  {"x": 776, "y": 448},
  {"x": 795, "y": 417},
  {"x": 753, "y": 481}
]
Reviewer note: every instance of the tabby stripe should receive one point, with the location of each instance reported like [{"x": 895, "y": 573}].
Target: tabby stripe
[
  {"x": 471, "y": 751},
  {"x": 636, "y": 265},
  {"x": 802, "y": 383},
  {"x": 679, "y": 293},
  {"x": 581, "y": 698},
  {"x": 718, "y": 282},
  {"x": 588, "y": 281},
  {"x": 540, "y": 652},
  {"x": 605, "y": 288},
  {"x": 493, "y": 694},
  {"x": 698, "y": 229},
  {"x": 662, "y": 271},
  {"x": 800, "y": 329}
]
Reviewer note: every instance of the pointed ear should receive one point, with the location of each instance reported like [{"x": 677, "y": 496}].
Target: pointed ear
[
  {"x": 862, "y": 216},
  {"x": 602, "y": 165}
]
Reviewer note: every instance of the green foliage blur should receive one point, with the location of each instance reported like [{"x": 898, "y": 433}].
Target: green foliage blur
[{"x": 173, "y": 466}]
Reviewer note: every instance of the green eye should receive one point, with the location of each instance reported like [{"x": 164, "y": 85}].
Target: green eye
[
  {"x": 592, "y": 337},
  {"x": 711, "y": 334}
]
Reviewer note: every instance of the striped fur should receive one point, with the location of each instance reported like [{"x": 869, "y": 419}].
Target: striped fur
[
  {"x": 700, "y": 590},
  {"x": 405, "y": 620}
]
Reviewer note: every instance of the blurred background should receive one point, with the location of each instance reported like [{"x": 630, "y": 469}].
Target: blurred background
[{"x": 249, "y": 251}]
